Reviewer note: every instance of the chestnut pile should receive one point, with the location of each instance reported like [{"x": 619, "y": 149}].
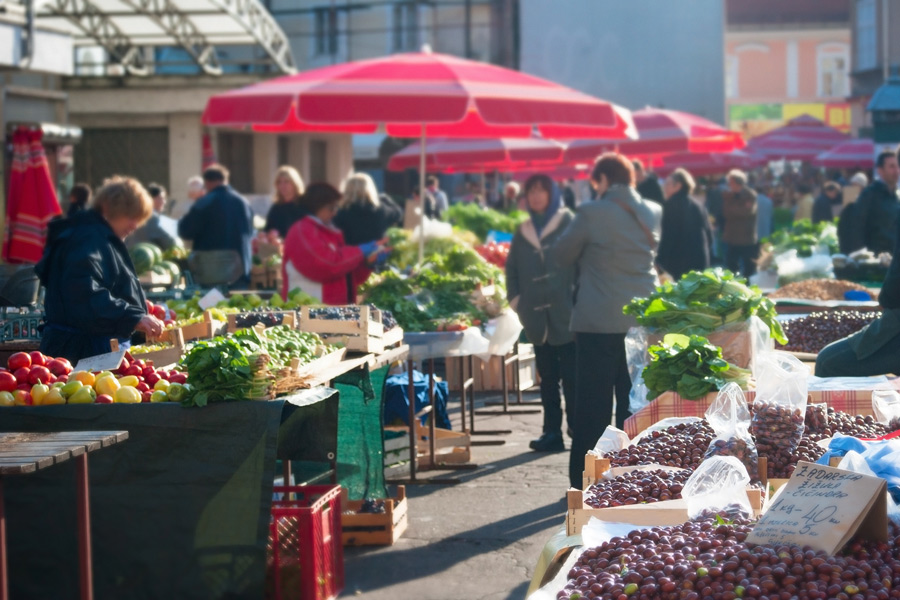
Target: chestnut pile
[
  {"x": 777, "y": 430},
  {"x": 741, "y": 449},
  {"x": 816, "y": 330},
  {"x": 709, "y": 559},
  {"x": 680, "y": 446},
  {"x": 636, "y": 487}
]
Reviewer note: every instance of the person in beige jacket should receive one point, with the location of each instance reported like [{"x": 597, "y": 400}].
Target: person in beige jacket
[{"x": 612, "y": 242}]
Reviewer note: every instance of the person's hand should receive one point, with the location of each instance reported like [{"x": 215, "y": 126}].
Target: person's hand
[{"x": 150, "y": 326}]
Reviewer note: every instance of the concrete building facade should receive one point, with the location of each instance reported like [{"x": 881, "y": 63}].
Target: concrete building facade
[
  {"x": 875, "y": 53},
  {"x": 783, "y": 60}
]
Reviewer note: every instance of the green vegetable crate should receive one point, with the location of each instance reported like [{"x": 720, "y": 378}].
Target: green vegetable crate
[{"x": 365, "y": 334}]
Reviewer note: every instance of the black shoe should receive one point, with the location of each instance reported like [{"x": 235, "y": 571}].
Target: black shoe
[{"x": 548, "y": 442}]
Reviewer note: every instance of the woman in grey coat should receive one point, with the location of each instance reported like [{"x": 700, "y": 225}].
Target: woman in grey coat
[
  {"x": 542, "y": 297},
  {"x": 613, "y": 243}
]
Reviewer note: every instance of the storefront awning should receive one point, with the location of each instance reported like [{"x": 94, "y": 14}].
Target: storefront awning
[{"x": 124, "y": 28}]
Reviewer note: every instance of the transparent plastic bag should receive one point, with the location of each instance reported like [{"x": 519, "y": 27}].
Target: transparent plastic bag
[
  {"x": 886, "y": 406},
  {"x": 779, "y": 409},
  {"x": 637, "y": 357},
  {"x": 856, "y": 462},
  {"x": 662, "y": 425},
  {"x": 729, "y": 417},
  {"x": 792, "y": 267},
  {"x": 718, "y": 487}
]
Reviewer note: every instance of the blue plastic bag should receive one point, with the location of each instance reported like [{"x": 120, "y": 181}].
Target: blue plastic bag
[{"x": 396, "y": 404}]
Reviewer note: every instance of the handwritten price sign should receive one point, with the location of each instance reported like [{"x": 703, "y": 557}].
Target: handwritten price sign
[{"x": 824, "y": 507}]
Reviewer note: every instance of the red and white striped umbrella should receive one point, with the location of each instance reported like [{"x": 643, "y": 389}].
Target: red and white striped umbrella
[
  {"x": 802, "y": 138},
  {"x": 705, "y": 163},
  {"x": 852, "y": 153},
  {"x": 490, "y": 154},
  {"x": 661, "y": 131}
]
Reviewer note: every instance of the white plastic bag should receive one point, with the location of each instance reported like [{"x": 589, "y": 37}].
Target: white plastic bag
[
  {"x": 856, "y": 462},
  {"x": 718, "y": 487},
  {"x": 612, "y": 440},
  {"x": 886, "y": 406},
  {"x": 502, "y": 333},
  {"x": 792, "y": 267},
  {"x": 729, "y": 417}
]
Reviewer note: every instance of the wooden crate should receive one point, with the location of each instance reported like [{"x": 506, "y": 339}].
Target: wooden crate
[
  {"x": 288, "y": 317},
  {"x": 204, "y": 330},
  {"x": 365, "y": 335},
  {"x": 396, "y": 455},
  {"x": 165, "y": 357},
  {"x": 450, "y": 447},
  {"x": 738, "y": 347},
  {"x": 368, "y": 529}
]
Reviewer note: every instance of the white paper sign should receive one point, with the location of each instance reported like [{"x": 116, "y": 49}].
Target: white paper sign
[
  {"x": 211, "y": 298},
  {"x": 101, "y": 362}
]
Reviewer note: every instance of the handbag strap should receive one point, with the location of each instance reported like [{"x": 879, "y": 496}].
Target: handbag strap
[{"x": 624, "y": 206}]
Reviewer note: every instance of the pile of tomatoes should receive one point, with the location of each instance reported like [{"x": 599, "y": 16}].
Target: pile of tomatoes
[
  {"x": 32, "y": 379},
  {"x": 495, "y": 253}
]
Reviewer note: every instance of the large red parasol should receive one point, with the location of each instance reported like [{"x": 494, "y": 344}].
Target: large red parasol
[
  {"x": 705, "y": 163},
  {"x": 420, "y": 94},
  {"x": 848, "y": 155},
  {"x": 661, "y": 131},
  {"x": 802, "y": 138},
  {"x": 31, "y": 199},
  {"x": 496, "y": 153}
]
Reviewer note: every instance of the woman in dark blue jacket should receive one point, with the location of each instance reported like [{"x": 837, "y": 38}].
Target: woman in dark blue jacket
[{"x": 93, "y": 294}]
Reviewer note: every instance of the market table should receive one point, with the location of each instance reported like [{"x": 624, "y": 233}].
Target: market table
[
  {"x": 26, "y": 453},
  {"x": 180, "y": 511}
]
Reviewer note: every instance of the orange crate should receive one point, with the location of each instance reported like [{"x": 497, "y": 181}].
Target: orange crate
[{"x": 305, "y": 555}]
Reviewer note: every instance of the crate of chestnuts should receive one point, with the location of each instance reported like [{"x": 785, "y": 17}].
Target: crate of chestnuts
[{"x": 729, "y": 417}]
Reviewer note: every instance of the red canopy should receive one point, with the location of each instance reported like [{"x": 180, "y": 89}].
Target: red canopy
[
  {"x": 31, "y": 200},
  {"x": 450, "y": 96},
  {"x": 662, "y": 131},
  {"x": 802, "y": 138},
  {"x": 850, "y": 154},
  {"x": 705, "y": 163},
  {"x": 461, "y": 153}
]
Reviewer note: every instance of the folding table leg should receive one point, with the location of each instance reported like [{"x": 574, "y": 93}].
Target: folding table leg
[
  {"x": 84, "y": 528},
  {"x": 411, "y": 399},
  {"x": 4, "y": 573},
  {"x": 471, "y": 360}
]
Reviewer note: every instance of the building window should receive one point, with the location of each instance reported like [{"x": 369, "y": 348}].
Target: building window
[
  {"x": 833, "y": 72},
  {"x": 866, "y": 35},
  {"x": 731, "y": 76},
  {"x": 406, "y": 27},
  {"x": 325, "y": 32}
]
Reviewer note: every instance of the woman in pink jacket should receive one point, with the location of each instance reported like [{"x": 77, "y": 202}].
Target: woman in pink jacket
[{"x": 317, "y": 260}]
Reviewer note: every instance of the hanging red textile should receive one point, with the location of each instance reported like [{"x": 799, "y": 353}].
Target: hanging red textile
[
  {"x": 31, "y": 201},
  {"x": 209, "y": 156}
]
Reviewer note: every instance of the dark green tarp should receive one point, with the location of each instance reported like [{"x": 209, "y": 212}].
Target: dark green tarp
[{"x": 179, "y": 510}]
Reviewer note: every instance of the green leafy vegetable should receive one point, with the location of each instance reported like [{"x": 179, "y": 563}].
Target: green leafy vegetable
[
  {"x": 804, "y": 237},
  {"x": 481, "y": 221},
  {"x": 690, "y": 366},
  {"x": 225, "y": 368},
  {"x": 701, "y": 302}
]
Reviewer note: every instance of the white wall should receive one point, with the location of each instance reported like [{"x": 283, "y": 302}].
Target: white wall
[{"x": 632, "y": 52}]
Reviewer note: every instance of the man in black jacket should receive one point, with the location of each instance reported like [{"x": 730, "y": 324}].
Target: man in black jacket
[
  {"x": 647, "y": 185},
  {"x": 220, "y": 220},
  {"x": 879, "y": 206}
]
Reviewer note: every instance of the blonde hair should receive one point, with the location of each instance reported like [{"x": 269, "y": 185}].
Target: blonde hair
[
  {"x": 360, "y": 189},
  {"x": 121, "y": 196},
  {"x": 292, "y": 174}
]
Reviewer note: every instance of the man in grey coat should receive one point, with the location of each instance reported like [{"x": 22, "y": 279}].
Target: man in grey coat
[
  {"x": 542, "y": 297},
  {"x": 613, "y": 242}
]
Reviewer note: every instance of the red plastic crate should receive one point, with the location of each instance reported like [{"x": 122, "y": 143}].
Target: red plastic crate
[{"x": 305, "y": 557}]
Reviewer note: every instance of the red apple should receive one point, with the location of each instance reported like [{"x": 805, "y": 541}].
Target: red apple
[
  {"x": 39, "y": 374},
  {"x": 21, "y": 374},
  {"x": 104, "y": 399},
  {"x": 38, "y": 359},
  {"x": 8, "y": 382},
  {"x": 19, "y": 360},
  {"x": 152, "y": 378}
]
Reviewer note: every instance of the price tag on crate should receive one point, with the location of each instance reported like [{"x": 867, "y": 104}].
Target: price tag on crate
[
  {"x": 823, "y": 507},
  {"x": 210, "y": 299}
]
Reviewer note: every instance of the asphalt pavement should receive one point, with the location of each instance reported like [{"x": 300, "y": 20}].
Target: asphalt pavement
[{"x": 479, "y": 539}]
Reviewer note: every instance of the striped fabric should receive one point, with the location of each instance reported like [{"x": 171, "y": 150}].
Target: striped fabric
[
  {"x": 31, "y": 199},
  {"x": 670, "y": 404},
  {"x": 848, "y": 155}
]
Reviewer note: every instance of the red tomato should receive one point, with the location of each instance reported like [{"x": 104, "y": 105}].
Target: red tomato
[
  {"x": 178, "y": 378},
  {"x": 59, "y": 366},
  {"x": 143, "y": 387},
  {"x": 21, "y": 374},
  {"x": 19, "y": 360},
  {"x": 145, "y": 396},
  {"x": 152, "y": 378},
  {"x": 134, "y": 370},
  {"x": 39, "y": 374},
  {"x": 159, "y": 312},
  {"x": 8, "y": 382},
  {"x": 104, "y": 399},
  {"x": 38, "y": 359}
]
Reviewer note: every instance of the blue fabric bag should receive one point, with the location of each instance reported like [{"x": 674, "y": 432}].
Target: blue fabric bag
[{"x": 396, "y": 405}]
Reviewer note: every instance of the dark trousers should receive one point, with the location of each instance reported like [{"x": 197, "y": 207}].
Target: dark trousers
[
  {"x": 838, "y": 359},
  {"x": 741, "y": 259},
  {"x": 601, "y": 371},
  {"x": 555, "y": 364}
]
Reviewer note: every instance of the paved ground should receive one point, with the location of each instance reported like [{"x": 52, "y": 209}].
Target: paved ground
[{"x": 479, "y": 539}]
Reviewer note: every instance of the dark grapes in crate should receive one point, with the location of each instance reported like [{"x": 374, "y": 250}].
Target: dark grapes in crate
[
  {"x": 258, "y": 315},
  {"x": 636, "y": 487},
  {"x": 335, "y": 313}
]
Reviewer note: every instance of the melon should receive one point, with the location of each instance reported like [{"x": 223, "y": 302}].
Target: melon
[
  {"x": 142, "y": 258},
  {"x": 171, "y": 268}
]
